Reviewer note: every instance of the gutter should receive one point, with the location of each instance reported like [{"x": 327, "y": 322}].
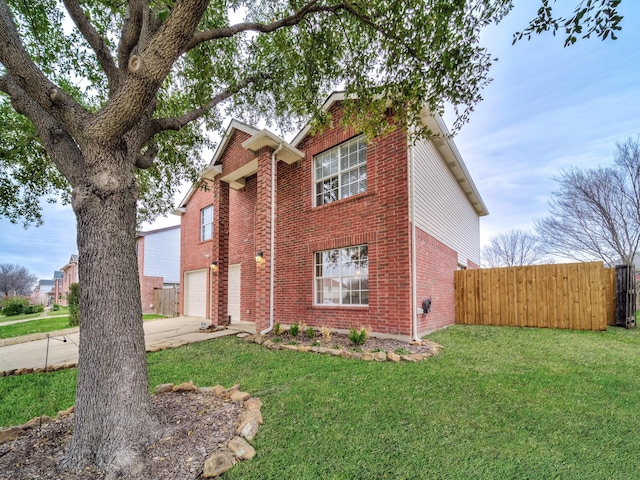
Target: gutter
[{"x": 272, "y": 239}]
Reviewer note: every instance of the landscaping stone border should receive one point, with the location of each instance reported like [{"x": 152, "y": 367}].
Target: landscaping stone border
[
  {"x": 239, "y": 447},
  {"x": 366, "y": 356}
]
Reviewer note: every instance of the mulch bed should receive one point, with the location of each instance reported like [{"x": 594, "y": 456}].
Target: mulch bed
[{"x": 193, "y": 426}]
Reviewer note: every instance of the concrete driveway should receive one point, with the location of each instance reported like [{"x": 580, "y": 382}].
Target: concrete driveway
[{"x": 159, "y": 333}]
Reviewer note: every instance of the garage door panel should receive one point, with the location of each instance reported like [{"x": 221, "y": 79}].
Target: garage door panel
[{"x": 196, "y": 293}]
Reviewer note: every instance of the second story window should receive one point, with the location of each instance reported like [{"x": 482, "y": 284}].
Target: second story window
[
  {"x": 341, "y": 172},
  {"x": 206, "y": 223}
]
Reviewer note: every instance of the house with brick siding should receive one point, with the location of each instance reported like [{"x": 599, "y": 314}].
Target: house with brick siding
[
  {"x": 329, "y": 229},
  {"x": 69, "y": 276}
]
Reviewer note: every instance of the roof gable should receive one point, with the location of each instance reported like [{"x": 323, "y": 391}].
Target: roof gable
[{"x": 213, "y": 168}]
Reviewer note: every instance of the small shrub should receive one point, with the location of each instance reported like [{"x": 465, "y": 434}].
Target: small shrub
[
  {"x": 326, "y": 334},
  {"x": 55, "y": 307},
  {"x": 278, "y": 340},
  {"x": 310, "y": 332},
  {"x": 303, "y": 326},
  {"x": 376, "y": 350},
  {"x": 73, "y": 299},
  {"x": 277, "y": 330},
  {"x": 358, "y": 337},
  {"x": 293, "y": 330},
  {"x": 14, "y": 306},
  {"x": 401, "y": 351},
  {"x": 33, "y": 309}
]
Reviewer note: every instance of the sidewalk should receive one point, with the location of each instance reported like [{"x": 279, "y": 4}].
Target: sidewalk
[{"x": 160, "y": 333}]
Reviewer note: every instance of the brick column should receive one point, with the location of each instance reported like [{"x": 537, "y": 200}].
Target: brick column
[
  {"x": 263, "y": 238},
  {"x": 218, "y": 293}
]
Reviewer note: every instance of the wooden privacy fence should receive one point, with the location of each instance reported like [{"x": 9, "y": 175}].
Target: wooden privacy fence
[
  {"x": 166, "y": 301},
  {"x": 577, "y": 296}
]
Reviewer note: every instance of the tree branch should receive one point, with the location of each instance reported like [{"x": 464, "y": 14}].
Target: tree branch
[
  {"x": 146, "y": 159},
  {"x": 97, "y": 43},
  {"x": 289, "y": 21},
  {"x": 176, "y": 123},
  {"x": 60, "y": 146},
  {"x": 147, "y": 69},
  {"x": 26, "y": 74},
  {"x": 131, "y": 29}
]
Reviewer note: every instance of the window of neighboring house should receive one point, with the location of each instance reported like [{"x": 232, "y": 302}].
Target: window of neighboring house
[
  {"x": 341, "y": 172},
  {"x": 206, "y": 223},
  {"x": 342, "y": 276}
]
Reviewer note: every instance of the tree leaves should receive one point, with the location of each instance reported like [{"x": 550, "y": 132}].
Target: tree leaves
[{"x": 599, "y": 17}]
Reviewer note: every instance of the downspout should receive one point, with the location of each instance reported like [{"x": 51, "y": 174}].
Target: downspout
[
  {"x": 272, "y": 239},
  {"x": 414, "y": 285}
]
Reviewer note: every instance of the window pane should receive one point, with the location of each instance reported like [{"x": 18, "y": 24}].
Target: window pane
[
  {"x": 206, "y": 223},
  {"x": 342, "y": 276},
  {"x": 346, "y": 162}
]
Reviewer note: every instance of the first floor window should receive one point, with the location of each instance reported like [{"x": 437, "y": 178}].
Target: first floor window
[
  {"x": 342, "y": 276},
  {"x": 206, "y": 223}
]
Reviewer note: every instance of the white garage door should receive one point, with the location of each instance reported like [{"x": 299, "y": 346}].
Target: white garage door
[
  {"x": 234, "y": 292},
  {"x": 195, "y": 293}
]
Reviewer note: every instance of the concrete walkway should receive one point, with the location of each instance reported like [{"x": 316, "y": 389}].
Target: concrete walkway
[{"x": 159, "y": 333}]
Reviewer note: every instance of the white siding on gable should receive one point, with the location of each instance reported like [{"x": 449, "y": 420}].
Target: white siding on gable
[
  {"x": 442, "y": 208},
  {"x": 162, "y": 254}
]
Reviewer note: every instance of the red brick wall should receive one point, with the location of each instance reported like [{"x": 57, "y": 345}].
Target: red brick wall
[
  {"x": 194, "y": 254},
  {"x": 435, "y": 266},
  {"x": 378, "y": 217}
]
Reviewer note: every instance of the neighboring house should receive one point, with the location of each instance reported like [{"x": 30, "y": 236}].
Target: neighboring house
[
  {"x": 329, "y": 230},
  {"x": 158, "y": 254},
  {"x": 43, "y": 293},
  {"x": 69, "y": 276},
  {"x": 58, "y": 277}
]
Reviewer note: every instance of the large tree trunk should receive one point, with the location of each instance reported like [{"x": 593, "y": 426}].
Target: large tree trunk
[{"x": 113, "y": 417}]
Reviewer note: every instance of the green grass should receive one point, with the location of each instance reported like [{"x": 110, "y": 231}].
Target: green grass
[
  {"x": 46, "y": 325},
  {"x": 34, "y": 326},
  {"x": 23, "y": 316},
  {"x": 496, "y": 403},
  {"x": 49, "y": 313}
]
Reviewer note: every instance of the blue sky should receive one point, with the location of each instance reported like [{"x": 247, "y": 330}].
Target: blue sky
[{"x": 548, "y": 108}]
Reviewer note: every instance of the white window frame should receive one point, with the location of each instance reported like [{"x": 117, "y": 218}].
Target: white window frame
[
  {"x": 340, "y": 172},
  {"x": 341, "y": 277},
  {"x": 206, "y": 225}
]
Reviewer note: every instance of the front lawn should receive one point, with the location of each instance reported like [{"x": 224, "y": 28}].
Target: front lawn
[{"x": 496, "y": 403}]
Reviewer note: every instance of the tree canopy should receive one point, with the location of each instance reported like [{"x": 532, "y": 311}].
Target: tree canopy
[
  {"x": 272, "y": 60},
  {"x": 121, "y": 61}
]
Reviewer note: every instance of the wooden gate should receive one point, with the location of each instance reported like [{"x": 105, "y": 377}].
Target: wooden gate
[
  {"x": 166, "y": 301},
  {"x": 625, "y": 296},
  {"x": 578, "y": 296}
]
